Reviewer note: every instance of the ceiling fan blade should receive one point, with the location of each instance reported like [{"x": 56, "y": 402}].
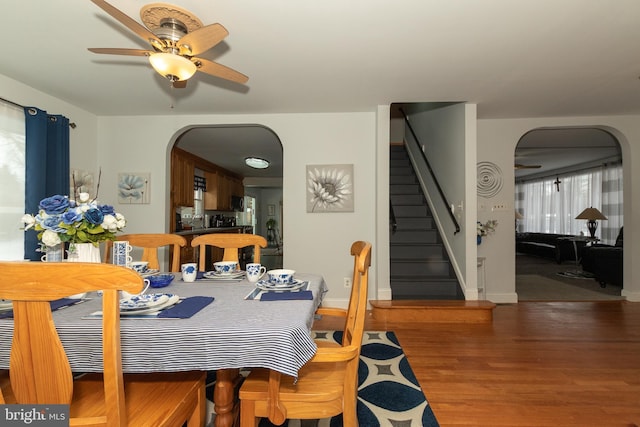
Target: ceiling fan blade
[
  {"x": 118, "y": 51},
  {"x": 180, "y": 84},
  {"x": 202, "y": 39},
  {"x": 130, "y": 23},
  {"x": 521, "y": 166},
  {"x": 219, "y": 70}
]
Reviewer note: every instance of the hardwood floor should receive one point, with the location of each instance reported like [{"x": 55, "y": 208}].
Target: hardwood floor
[{"x": 537, "y": 364}]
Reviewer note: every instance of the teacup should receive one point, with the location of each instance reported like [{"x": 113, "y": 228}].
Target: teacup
[
  {"x": 280, "y": 276},
  {"x": 127, "y": 295},
  {"x": 255, "y": 272},
  {"x": 139, "y": 266},
  {"x": 225, "y": 267},
  {"x": 189, "y": 272}
]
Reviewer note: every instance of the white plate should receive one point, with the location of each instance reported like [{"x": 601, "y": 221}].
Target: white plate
[
  {"x": 268, "y": 286},
  {"x": 215, "y": 275},
  {"x": 172, "y": 299},
  {"x": 138, "y": 302}
]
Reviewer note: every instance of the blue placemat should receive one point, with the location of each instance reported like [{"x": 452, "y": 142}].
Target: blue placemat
[
  {"x": 186, "y": 308},
  {"x": 286, "y": 296},
  {"x": 55, "y": 305}
]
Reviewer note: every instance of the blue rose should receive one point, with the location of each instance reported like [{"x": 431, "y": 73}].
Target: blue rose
[
  {"x": 54, "y": 205},
  {"x": 94, "y": 216},
  {"x": 52, "y": 223},
  {"x": 107, "y": 210},
  {"x": 71, "y": 216}
]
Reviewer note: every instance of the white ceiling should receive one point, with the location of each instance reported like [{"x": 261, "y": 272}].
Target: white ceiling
[{"x": 524, "y": 58}]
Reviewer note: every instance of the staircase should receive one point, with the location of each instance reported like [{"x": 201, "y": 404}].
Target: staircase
[{"x": 420, "y": 266}]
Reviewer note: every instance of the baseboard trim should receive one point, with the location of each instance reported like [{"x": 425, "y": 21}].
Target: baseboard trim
[{"x": 432, "y": 311}]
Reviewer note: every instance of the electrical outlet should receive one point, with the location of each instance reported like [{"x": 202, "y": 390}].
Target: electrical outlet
[{"x": 347, "y": 282}]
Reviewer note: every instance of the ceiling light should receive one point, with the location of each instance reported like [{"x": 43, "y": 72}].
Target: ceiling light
[
  {"x": 256, "y": 162},
  {"x": 174, "y": 67}
]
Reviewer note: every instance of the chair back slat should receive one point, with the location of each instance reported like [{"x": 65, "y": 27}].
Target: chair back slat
[{"x": 231, "y": 243}]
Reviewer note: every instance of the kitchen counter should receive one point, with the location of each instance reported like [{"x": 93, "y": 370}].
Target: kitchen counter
[{"x": 209, "y": 230}]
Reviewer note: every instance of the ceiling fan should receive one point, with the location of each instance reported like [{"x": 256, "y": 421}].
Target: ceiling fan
[{"x": 175, "y": 36}]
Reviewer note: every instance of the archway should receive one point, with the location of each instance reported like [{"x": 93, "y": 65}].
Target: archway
[{"x": 558, "y": 173}]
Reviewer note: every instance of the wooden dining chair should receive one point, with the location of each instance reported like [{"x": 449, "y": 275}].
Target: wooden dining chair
[
  {"x": 327, "y": 385},
  {"x": 150, "y": 243},
  {"x": 231, "y": 243},
  {"x": 40, "y": 372}
]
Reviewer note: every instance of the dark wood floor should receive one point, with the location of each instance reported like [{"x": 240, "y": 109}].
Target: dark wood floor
[{"x": 537, "y": 364}]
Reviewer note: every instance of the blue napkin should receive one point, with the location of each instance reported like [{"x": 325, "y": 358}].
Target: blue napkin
[
  {"x": 55, "y": 305},
  {"x": 286, "y": 296},
  {"x": 186, "y": 308}
]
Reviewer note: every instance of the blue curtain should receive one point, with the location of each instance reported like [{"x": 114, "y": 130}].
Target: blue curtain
[{"x": 46, "y": 164}]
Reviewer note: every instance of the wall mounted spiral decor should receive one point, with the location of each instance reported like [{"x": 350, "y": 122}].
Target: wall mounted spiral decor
[{"x": 489, "y": 179}]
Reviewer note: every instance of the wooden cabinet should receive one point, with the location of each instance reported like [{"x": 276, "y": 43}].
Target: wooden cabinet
[
  {"x": 182, "y": 172},
  {"x": 211, "y": 196},
  {"x": 220, "y": 188}
]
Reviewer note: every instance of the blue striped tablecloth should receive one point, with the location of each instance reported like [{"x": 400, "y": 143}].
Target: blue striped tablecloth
[{"x": 231, "y": 332}]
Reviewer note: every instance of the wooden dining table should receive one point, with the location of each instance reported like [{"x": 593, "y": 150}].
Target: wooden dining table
[{"x": 231, "y": 333}]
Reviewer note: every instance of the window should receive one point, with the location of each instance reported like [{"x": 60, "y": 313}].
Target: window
[
  {"x": 12, "y": 181},
  {"x": 548, "y": 210}
]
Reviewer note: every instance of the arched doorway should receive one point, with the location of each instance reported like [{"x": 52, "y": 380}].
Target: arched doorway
[
  {"x": 559, "y": 172},
  {"x": 223, "y": 149}
]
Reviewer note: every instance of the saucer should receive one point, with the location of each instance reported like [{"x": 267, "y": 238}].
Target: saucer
[
  {"x": 215, "y": 275},
  {"x": 171, "y": 300},
  {"x": 265, "y": 285}
]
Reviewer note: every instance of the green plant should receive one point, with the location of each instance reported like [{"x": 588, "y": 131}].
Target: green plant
[{"x": 271, "y": 223}]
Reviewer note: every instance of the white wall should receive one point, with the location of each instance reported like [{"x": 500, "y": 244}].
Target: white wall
[
  {"x": 497, "y": 140},
  {"x": 315, "y": 242}
]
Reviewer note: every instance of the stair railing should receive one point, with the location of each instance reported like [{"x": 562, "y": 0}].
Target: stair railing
[
  {"x": 392, "y": 217},
  {"x": 433, "y": 175}
]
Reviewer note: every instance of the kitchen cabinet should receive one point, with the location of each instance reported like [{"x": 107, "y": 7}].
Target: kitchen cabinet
[
  {"x": 220, "y": 188},
  {"x": 182, "y": 172}
]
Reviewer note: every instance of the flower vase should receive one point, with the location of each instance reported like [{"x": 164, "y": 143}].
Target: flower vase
[
  {"x": 83, "y": 252},
  {"x": 479, "y": 239}
]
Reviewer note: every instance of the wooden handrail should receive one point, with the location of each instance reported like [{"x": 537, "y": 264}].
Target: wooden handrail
[{"x": 433, "y": 175}]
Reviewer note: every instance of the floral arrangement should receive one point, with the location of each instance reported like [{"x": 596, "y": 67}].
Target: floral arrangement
[
  {"x": 488, "y": 227},
  {"x": 75, "y": 221}
]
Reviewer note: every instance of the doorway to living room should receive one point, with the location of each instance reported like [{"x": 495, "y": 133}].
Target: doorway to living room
[{"x": 560, "y": 172}]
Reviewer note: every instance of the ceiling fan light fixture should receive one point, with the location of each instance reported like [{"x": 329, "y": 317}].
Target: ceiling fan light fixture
[
  {"x": 174, "y": 67},
  {"x": 257, "y": 162}
]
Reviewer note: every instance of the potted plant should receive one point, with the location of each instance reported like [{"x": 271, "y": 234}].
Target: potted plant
[{"x": 271, "y": 223}]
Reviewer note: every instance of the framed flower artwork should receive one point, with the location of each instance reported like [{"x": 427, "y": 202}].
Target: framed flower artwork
[
  {"x": 134, "y": 188},
  {"x": 329, "y": 188}
]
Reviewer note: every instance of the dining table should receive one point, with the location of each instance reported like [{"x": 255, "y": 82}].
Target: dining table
[{"x": 236, "y": 330}]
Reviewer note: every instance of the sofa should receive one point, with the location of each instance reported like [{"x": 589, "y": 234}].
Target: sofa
[
  {"x": 558, "y": 247},
  {"x": 604, "y": 262}
]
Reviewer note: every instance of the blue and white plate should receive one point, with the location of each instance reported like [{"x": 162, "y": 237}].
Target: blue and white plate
[
  {"x": 172, "y": 299},
  {"x": 140, "y": 302},
  {"x": 265, "y": 285}
]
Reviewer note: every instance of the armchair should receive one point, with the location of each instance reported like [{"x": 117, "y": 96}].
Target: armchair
[{"x": 604, "y": 262}]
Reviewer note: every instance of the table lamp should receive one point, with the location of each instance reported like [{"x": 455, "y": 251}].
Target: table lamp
[
  {"x": 591, "y": 215},
  {"x": 518, "y": 217}
]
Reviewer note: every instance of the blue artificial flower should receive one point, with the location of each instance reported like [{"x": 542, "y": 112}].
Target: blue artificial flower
[{"x": 54, "y": 205}]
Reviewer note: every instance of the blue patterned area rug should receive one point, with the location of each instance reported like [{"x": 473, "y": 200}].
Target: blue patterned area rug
[{"x": 388, "y": 391}]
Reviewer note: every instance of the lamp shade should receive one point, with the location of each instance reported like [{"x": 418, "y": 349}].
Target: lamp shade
[
  {"x": 519, "y": 215},
  {"x": 173, "y": 67},
  {"x": 591, "y": 214}
]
